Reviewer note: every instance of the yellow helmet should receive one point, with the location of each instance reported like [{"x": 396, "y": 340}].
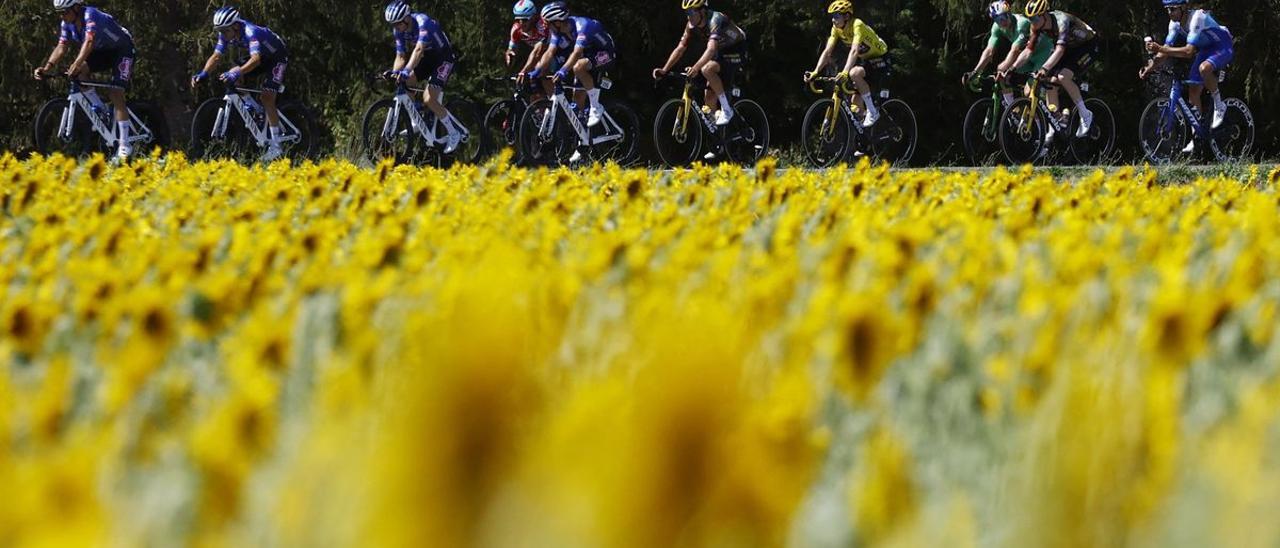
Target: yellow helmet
[
  {"x": 692, "y": 4},
  {"x": 840, "y": 6},
  {"x": 1037, "y": 7}
]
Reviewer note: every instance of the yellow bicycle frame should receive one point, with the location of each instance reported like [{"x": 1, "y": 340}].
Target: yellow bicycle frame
[
  {"x": 838, "y": 94},
  {"x": 1028, "y": 116}
]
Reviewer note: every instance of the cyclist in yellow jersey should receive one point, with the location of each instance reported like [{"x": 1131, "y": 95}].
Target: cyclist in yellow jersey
[{"x": 864, "y": 45}]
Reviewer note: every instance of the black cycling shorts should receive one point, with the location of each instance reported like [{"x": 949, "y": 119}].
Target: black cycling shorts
[{"x": 117, "y": 60}]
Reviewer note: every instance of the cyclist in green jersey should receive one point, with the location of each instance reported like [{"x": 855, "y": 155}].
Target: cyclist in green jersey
[{"x": 1014, "y": 30}]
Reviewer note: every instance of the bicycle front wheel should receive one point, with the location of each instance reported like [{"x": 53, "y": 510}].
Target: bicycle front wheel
[
  {"x": 544, "y": 140},
  {"x": 387, "y": 133},
  {"x": 1096, "y": 145},
  {"x": 1161, "y": 131},
  {"x": 825, "y": 134},
  {"x": 233, "y": 141},
  {"x": 747, "y": 136},
  {"x": 1234, "y": 138},
  {"x": 501, "y": 127},
  {"x": 893, "y": 138},
  {"x": 677, "y": 134},
  {"x": 980, "y": 133},
  {"x": 80, "y": 141},
  {"x": 1022, "y": 132}
]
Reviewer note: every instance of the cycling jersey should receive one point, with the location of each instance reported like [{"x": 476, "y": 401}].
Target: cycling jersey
[
  {"x": 855, "y": 32},
  {"x": 530, "y": 38},
  {"x": 423, "y": 30},
  {"x": 257, "y": 40},
  {"x": 1068, "y": 30},
  {"x": 107, "y": 33},
  {"x": 720, "y": 28},
  {"x": 1017, "y": 36},
  {"x": 1200, "y": 21},
  {"x": 588, "y": 34}
]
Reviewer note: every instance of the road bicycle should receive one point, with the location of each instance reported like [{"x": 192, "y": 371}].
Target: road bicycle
[
  {"x": 553, "y": 129},
  {"x": 1026, "y": 122},
  {"x": 1167, "y": 123},
  {"x": 403, "y": 129},
  {"x": 682, "y": 125},
  {"x": 235, "y": 126},
  {"x": 832, "y": 127},
  {"x": 980, "y": 131},
  {"x": 82, "y": 124},
  {"x": 502, "y": 121}
]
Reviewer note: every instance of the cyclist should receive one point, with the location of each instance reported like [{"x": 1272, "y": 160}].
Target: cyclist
[
  {"x": 268, "y": 56},
  {"x": 431, "y": 60},
  {"x": 592, "y": 51},
  {"x": 725, "y": 53},
  {"x": 866, "y": 51},
  {"x": 1013, "y": 29},
  {"x": 1075, "y": 49},
  {"x": 104, "y": 45},
  {"x": 1195, "y": 34},
  {"x": 531, "y": 31}
]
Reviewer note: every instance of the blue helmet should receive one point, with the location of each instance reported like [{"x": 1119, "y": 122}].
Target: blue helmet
[
  {"x": 524, "y": 9},
  {"x": 1172, "y": 3}
]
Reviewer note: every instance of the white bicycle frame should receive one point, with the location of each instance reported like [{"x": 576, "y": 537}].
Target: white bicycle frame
[
  {"x": 236, "y": 100},
  {"x": 107, "y": 131},
  {"x": 560, "y": 103},
  {"x": 404, "y": 102}
]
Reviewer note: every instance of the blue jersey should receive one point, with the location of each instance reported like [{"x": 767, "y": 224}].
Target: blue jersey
[
  {"x": 587, "y": 34},
  {"x": 1197, "y": 29},
  {"x": 423, "y": 30},
  {"x": 258, "y": 40},
  {"x": 107, "y": 33}
]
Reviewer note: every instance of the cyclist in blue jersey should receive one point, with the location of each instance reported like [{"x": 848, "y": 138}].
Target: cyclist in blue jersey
[
  {"x": 104, "y": 45},
  {"x": 1195, "y": 34},
  {"x": 592, "y": 51},
  {"x": 431, "y": 60},
  {"x": 267, "y": 56}
]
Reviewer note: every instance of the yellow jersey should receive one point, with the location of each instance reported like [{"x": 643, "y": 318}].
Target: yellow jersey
[{"x": 855, "y": 32}]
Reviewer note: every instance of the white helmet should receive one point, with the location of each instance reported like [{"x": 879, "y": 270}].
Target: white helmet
[
  {"x": 61, "y": 5},
  {"x": 998, "y": 8},
  {"x": 554, "y": 11},
  {"x": 396, "y": 11},
  {"x": 225, "y": 17}
]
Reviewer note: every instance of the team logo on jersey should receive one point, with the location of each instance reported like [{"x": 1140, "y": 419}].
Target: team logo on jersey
[
  {"x": 277, "y": 72},
  {"x": 125, "y": 68},
  {"x": 443, "y": 72},
  {"x": 603, "y": 58}
]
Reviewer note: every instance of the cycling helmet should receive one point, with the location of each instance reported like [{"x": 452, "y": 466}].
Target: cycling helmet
[
  {"x": 1174, "y": 3},
  {"x": 998, "y": 8},
  {"x": 397, "y": 11},
  {"x": 225, "y": 17},
  {"x": 555, "y": 11},
  {"x": 1037, "y": 7},
  {"x": 524, "y": 9},
  {"x": 63, "y": 5},
  {"x": 840, "y": 6},
  {"x": 692, "y": 4}
]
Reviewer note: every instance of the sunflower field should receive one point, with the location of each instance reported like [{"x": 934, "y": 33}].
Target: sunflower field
[{"x": 327, "y": 355}]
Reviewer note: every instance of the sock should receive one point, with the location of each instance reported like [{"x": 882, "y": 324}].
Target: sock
[
  {"x": 870, "y": 105},
  {"x": 594, "y": 97},
  {"x": 124, "y": 129},
  {"x": 724, "y": 103},
  {"x": 1081, "y": 108},
  {"x": 1008, "y": 99},
  {"x": 276, "y": 133}
]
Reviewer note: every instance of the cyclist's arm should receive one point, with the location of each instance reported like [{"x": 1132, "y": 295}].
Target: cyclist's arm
[
  {"x": 212, "y": 62},
  {"x": 985, "y": 59},
  {"x": 1011, "y": 60},
  {"x": 578, "y": 52},
  {"x": 825, "y": 58},
  {"x": 85, "y": 49},
  {"x": 712, "y": 47},
  {"x": 401, "y": 61},
  {"x": 853, "y": 56},
  {"x": 253, "y": 62},
  {"x": 58, "y": 52},
  {"x": 1058, "y": 51},
  {"x": 416, "y": 57},
  {"x": 1187, "y": 52},
  {"x": 677, "y": 53},
  {"x": 534, "y": 57},
  {"x": 547, "y": 57}
]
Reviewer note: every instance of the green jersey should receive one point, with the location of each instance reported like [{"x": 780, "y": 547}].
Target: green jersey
[{"x": 1017, "y": 35}]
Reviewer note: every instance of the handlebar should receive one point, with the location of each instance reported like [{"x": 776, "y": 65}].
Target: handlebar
[{"x": 845, "y": 86}]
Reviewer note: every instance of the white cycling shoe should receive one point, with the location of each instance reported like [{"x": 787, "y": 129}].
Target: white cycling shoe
[
  {"x": 273, "y": 154},
  {"x": 1219, "y": 114},
  {"x": 594, "y": 116},
  {"x": 723, "y": 117},
  {"x": 451, "y": 143},
  {"x": 1086, "y": 124}
]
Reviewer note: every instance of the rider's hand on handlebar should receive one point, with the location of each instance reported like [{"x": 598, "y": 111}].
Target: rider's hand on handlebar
[
  {"x": 1153, "y": 47},
  {"x": 808, "y": 76},
  {"x": 964, "y": 80},
  {"x": 74, "y": 69},
  {"x": 659, "y": 74},
  {"x": 39, "y": 73},
  {"x": 689, "y": 72},
  {"x": 198, "y": 77},
  {"x": 1041, "y": 74}
]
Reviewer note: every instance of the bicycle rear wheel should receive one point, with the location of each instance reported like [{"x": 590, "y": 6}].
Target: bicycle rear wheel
[
  {"x": 1234, "y": 138},
  {"x": 624, "y": 151},
  {"x": 893, "y": 138},
  {"x": 825, "y": 134},
  {"x": 980, "y": 133},
  {"x": 1022, "y": 132},
  {"x": 747, "y": 135},
  {"x": 82, "y": 140},
  {"x": 303, "y": 128},
  {"x": 153, "y": 123},
  {"x": 1095, "y": 147},
  {"x": 677, "y": 134},
  {"x": 473, "y": 143},
  {"x": 385, "y": 137},
  {"x": 1161, "y": 131}
]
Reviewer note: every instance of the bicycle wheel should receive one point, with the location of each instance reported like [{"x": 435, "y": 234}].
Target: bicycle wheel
[
  {"x": 980, "y": 135},
  {"x": 385, "y": 137},
  {"x": 473, "y": 141},
  {"x": 1234, "y": 138},
  {"x": 747, "y": 136},
  {"x": 551, "y": 147},
  {"x": 304, "y": 129},
  {"x": 825, "y": 134},
  {"x": 1095, "y": 146},
  {"x": 893, "y": 138},
  {"x": 624, "y": 151},
  {"x": 1022, "y": 130},
  {"x": 82, "y": 141},
  {"x": 677, "y": 134},
  {"x": 235, "y": 142},
  {"x": 151, "y": 121},
  {"x": 1161, "y": 131},
  {"x": 501, "y": 127}
]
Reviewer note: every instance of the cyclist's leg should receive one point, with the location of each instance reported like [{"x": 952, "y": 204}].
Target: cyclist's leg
[
  {"x": 859, "y": 78},
  {"x": 715, "y": 85},
  {"x": 1217, "y": 60}
]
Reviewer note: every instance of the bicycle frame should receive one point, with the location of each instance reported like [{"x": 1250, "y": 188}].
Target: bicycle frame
[
  {"x": 1026, "y": 123},
  {"x": 689, "y": 106},
  {"x": 425, "y": 128},
  {"x": 841, "y": 105},
  {"x": 107, "y": 131},
  {"x": 560, "y": 103},
  {"x": 1178, "y": 103},
  {"x": 237, "y": 99}
]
